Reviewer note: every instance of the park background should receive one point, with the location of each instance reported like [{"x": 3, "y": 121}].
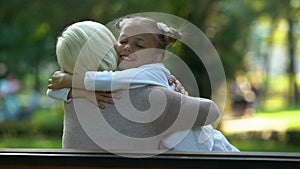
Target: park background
[{"x": 257, "y": 41}]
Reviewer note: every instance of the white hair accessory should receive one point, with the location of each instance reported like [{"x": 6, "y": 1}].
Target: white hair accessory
[{"x": 163, "y": 27}]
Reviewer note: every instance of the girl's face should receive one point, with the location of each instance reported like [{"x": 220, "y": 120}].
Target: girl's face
[{"x": 136, "y": 49}]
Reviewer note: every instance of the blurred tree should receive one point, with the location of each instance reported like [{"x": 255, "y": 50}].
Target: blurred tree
[
  {"x": 288, "y": 11},
  {"x": 25, "y": 39},
  {"x": 293, "y": 12},
  {"x": 29, "y": 28}
]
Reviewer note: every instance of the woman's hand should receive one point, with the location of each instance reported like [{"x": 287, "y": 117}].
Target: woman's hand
[
  {"x": 106, "y": 97},
  {"x": 178, "y": 86},
  {"x": 59, "y": 80},
  {"x": 97, "y": 98}
]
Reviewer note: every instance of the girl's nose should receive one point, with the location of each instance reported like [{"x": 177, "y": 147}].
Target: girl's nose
[{"x": 127, "y": 47}]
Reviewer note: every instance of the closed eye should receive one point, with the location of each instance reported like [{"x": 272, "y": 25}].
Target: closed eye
[
  {"x": 123, "y": 42},
  {"x": 140, "y": 46}
]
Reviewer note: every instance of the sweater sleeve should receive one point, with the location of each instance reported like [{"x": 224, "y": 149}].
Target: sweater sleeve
[{"x": 187, "y": 112}]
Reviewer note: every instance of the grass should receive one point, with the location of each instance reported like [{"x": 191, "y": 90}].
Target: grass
[
  {"x": 287, "y": 139},
  {"x": 290, "y": 117},
  {"x": 256, "y": 145},
  {"x": 30, "y": 142}
]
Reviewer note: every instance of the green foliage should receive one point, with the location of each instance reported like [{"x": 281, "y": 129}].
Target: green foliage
[
  {"x": 43, "y": 129},
  {"x": 29, "y": 28}
]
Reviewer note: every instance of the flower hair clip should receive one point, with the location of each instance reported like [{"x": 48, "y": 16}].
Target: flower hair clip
[{"x": 163, "y": 27}]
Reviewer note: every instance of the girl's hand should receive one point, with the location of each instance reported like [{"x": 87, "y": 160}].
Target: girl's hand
[
  {"x": 60, "y": 80},
  {"x": 178, "y": 86}
]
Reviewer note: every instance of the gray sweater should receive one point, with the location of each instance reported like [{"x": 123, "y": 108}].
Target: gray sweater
[{"x": 137, "y": 121}]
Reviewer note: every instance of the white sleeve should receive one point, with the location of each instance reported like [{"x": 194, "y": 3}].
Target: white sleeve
[
  {"x": 61, "y": 94},
  {"x": 100, "y": 81},
  {"x": 125, "y": 79}
]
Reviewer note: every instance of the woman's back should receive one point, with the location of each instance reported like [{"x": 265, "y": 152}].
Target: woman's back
[{"x": 132, "y": 123}]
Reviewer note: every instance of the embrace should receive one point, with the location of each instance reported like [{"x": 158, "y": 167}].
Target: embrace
[{"x": 119, "y": 96}]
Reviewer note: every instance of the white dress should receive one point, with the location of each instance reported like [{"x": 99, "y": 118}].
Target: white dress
[{"x": 204, "y": 138}]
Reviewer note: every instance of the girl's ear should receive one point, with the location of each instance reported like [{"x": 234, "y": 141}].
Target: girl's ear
[{"x": 158, "y": 57}]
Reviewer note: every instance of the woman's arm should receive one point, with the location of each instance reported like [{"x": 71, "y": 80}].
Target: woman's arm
[
  {"x": 66, "y": 94},
  {"x": 188, "y": 111}
]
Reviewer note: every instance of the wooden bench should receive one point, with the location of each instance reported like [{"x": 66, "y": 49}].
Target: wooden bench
[{"x": 73, "y": 159}]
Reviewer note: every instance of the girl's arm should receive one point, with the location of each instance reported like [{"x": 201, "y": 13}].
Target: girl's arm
[
  {"x": 110, "y": 81},
  {"x": 61, "y": 94},
  {"x": 61, "y": 82},
  {"x": 126, "y": 79}
]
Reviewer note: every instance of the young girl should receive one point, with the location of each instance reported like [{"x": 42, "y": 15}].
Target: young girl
[{"x": 199, "y": 138}]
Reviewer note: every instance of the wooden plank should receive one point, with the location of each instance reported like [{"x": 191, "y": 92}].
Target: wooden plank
[{"x": 65, "y": 159}]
